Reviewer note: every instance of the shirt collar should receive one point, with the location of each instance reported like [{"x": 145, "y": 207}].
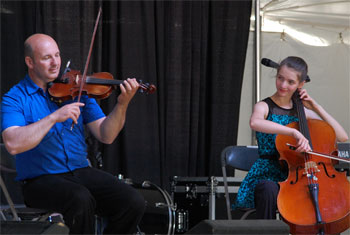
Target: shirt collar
[{"x": 30, "y": 85}]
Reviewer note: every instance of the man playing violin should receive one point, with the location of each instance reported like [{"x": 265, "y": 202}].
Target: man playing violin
[{"x": 51, "y": 156}]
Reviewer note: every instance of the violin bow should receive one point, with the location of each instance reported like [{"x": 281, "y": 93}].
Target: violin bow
[{"x": 82, "y": 81}]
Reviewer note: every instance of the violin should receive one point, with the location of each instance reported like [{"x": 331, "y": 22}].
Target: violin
[
  {"x": 98, "y": 85},
  {"x": 315, "y": 197}
]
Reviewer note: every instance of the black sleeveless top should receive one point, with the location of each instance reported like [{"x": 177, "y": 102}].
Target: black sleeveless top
[{"x": 266, "y": 142}]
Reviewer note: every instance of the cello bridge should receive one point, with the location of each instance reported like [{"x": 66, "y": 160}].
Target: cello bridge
[{"x": 310, "y": 169}]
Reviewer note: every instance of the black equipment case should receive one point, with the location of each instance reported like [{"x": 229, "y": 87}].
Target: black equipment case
[{"x": 200, "y": 198}]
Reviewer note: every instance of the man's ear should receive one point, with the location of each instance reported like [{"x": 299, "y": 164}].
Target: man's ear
[{"x": 29, "y": 62}]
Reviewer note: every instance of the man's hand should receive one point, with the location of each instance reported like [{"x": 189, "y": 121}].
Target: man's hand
[
  {"x": 19, "y": 139},
  {"x": 68, "y": 111},
  {"x": 128, "y": 90}
]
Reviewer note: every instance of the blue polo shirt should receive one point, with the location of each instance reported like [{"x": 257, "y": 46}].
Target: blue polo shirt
[{"x": 62, "y": 149}]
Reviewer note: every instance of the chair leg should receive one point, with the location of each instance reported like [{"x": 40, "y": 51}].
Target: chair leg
[
  {"x": 9, "y": 200},
  {"x": 247, "y": 213},
  {"x": 228, "y": 204},
  {"x": 3, "y": 217},
  {"x": 98, "y": 225},
  {"x": 139, "y": 232},
  {"x": 278, "y": 215}
]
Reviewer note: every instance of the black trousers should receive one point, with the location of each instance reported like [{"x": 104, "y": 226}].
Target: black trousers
[
  {"x": 81, "y": 194},
  {"x": 265, "y": 195}
]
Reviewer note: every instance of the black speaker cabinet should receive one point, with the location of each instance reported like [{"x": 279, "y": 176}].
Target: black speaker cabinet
[
  {"x": 33, "y": 227},
  {"x": 240, "y": 227}
]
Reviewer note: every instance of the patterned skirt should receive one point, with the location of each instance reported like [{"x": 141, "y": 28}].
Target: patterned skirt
[{"x": 262, "y": 169}]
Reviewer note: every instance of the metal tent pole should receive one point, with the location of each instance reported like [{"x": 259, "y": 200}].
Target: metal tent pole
[{"x": 257, "y": 56}]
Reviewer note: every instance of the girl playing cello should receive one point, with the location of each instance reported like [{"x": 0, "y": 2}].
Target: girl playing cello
[{"x": 269, "y": 118}]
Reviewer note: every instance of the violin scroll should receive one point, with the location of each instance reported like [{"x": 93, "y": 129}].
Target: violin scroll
[{"x": 147, "y": 88}]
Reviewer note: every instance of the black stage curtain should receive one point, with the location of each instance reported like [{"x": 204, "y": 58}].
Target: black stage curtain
[{"x": 192, "y": 51}]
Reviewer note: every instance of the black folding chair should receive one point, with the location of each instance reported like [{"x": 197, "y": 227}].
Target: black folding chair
[
  {"x": 241, "y": 158},
  {"x": 13, "y": 207}
]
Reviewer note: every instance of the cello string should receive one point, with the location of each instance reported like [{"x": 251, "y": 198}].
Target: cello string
[
  {"x": 308, "y": 157},
  {"x": 304, "y": 130}
]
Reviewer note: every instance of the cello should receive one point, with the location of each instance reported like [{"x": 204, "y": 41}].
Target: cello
[{"x": 315, "y": 198}]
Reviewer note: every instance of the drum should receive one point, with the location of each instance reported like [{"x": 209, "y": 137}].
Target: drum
[{"x": 159, "y": 215}]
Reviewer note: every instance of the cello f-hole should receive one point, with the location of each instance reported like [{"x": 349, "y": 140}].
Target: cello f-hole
[
  {"x": 296, "y": 175},
  {"x": 325, "y": 169}
]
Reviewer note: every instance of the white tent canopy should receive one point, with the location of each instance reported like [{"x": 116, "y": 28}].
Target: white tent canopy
[
  {"x": 314, "y": 22},
  {"x": 317, "y": 31}
]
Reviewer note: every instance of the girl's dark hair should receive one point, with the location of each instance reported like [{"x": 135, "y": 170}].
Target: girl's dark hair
[{"x": 297, "y": 64}]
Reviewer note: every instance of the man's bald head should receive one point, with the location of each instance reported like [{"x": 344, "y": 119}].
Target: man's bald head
[
  {"x": 33, "y": 41},
  {"x": 42, "y": 57}
]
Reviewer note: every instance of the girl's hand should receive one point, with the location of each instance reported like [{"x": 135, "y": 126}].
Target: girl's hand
[
  {"x": 308, "y": 102},
  {"x": 302, "y": 142}
]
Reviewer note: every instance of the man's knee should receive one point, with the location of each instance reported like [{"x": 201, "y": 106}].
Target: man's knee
[
  {"x": 137, "y": 203},
  {"x": 82, "y": 201}
]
